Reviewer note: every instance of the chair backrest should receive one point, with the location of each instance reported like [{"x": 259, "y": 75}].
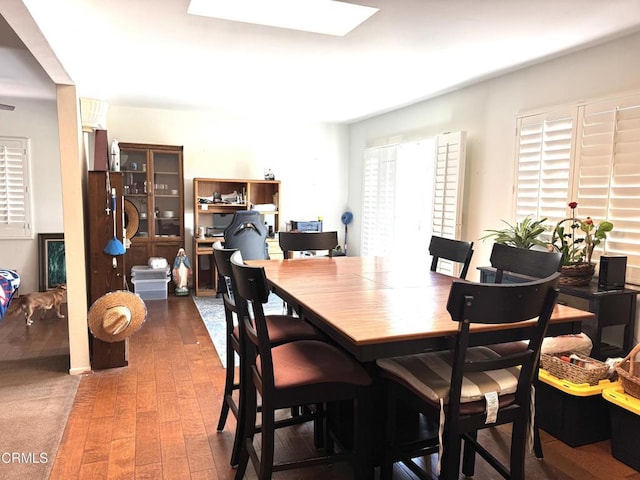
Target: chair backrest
[
  {"x": 252, "y": 290},
  {"x": 247, "y": 233},
  {"x": 487, "y": 303},
  {"x": 307, "y": 242},
  {"x": 457, "y": 251},
  {"x": 222, "y": 261},
  {"x": 532, "y": 263}
]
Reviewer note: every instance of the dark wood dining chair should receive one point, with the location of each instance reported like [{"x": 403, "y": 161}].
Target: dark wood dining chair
[
  {"x": 304, "y": 372},
  {"x": 530, "y": 263},
  {"x": 457, "y": 251},
  {"x": 471, "y": 388},
  {"x": 282, "y": 329},
  {"x": 291, "y": 242},
  {"x": 521, "y": 261},
  {"x": 307, "y": 242}
]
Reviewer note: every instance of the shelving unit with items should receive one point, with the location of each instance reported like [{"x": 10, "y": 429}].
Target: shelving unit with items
[{"x": 215, "y": 200}]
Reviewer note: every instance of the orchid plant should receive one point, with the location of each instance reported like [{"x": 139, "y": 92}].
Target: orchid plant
[{"x": 578, "y": 249}]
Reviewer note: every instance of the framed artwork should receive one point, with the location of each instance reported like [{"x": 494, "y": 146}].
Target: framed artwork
[{"x": 52, "y": 260}]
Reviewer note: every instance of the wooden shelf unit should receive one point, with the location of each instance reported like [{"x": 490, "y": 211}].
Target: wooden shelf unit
[{"x": 250, "y": 193}]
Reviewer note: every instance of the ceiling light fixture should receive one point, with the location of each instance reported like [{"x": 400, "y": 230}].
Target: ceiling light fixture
[{"x": 320, "y": 16}]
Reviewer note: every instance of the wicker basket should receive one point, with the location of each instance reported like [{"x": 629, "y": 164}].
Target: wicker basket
[
  {"x": 574, "y": 373},
  {"x": 577, "y": 275},
  {"x": 627, "y": 372}
]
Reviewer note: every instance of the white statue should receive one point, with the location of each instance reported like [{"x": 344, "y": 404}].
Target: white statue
[{"x": 181, "y": 272}]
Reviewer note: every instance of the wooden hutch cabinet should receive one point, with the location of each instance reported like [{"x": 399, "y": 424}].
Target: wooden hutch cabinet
[
  {"x": 154, "y": 188},
  {"x": 214, "y": 202}
]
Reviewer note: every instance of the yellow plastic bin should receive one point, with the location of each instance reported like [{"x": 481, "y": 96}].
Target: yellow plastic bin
[
  {"x": 625, "y": 425},
  {"x": 574, "y": 413}
]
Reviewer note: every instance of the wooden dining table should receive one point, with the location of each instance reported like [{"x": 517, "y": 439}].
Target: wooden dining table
[{"x": 379, "y": 307}]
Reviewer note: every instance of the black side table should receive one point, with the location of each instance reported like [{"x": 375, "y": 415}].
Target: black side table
[{"x": 614, "y": 310}]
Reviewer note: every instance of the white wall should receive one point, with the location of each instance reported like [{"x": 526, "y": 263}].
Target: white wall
[
  {"x": 309, "y": 159},
  {"x": 487, "y": 111},
  {"x": 36, "y": 120}
]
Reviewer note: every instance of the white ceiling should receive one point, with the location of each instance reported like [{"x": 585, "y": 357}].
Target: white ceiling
[{"x": 150, "y": 53}]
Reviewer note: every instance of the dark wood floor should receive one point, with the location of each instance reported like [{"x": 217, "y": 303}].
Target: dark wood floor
[{"x": 156, "y": 418}]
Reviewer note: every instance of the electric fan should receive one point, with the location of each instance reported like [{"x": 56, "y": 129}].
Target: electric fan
[{"x": 347, "y": 218}]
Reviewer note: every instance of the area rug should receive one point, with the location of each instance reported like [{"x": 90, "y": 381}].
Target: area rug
[
  {"x": 36, "y": 397},
  {"x": 212, "y": 312}
]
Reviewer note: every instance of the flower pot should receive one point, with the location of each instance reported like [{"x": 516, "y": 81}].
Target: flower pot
[{"x": 577, "y": 275}]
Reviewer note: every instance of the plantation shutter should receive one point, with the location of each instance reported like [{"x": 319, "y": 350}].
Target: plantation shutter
[
  {"x": 608, "y": 176},
  {"x": 544, "y": 145},
  {"x": 448, "y": 192},
  {"x": 15, "y": 205},
  {"x": 448, "y": 185},
  {"x": 379, "y": 200}
]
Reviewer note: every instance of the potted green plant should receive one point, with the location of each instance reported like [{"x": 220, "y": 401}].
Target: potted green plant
[{"x": 524, "y": 234}]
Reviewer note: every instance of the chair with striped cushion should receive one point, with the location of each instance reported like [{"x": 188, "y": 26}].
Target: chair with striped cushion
[
  {"x": 471, "y": 388},
  {"x": 526, "y": 264}
]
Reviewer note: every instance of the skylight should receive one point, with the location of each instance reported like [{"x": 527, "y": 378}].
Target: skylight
[{"x": 320, "y": 16}]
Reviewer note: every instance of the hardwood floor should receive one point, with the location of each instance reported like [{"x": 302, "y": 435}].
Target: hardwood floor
[{"x": 156, "y": 418}]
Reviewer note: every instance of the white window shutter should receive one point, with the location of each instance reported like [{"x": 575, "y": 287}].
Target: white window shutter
[
  {"x": 448, "y": 189},
  {"x": 608, "y": 176},
  {"x": 544, "y": 144},
  {"x": 15, "y": 204},
  {"x": 448, "y": 185},
  {"x": 379, "y": 200},
  {"x": 589, "y": 154}
]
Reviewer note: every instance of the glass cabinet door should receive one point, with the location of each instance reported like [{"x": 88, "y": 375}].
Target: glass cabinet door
[
  {"x": 134, "y": 166},
  {"x": 166, "y": 197}
]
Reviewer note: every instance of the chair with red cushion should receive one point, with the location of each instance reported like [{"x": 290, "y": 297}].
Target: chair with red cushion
[
  {"x": 304, "y": 372},
  {"x": 282, "y": 329}
]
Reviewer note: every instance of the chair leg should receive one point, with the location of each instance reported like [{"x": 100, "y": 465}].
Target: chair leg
[
  {"x": 318, "y": 426},
  {"x": 469, "y": 456},
  {"x": 246, "y": 429},
  {"x": 362, "y": 434},
  {"x": 537, "y": 444},
  {"x": 268, "y": 442},
  {"x": 518, "y": 448},
  {"x": 450, "y": 466},
  {"x": 246, "y": 420},
  {"x": 228, "y": 386},
  {"x": 386, "y": 468}
]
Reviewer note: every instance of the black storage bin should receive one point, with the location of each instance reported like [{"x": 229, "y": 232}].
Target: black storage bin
[
  {"x": 625, "y": 425},
  {"x": 575, "y": 414}
]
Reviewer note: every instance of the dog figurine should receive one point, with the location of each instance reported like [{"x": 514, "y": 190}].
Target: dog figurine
[{"x": 31, "y": 302}]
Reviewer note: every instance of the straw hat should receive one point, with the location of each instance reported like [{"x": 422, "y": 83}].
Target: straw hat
[
  {"x": 131, "y": 219},
  {"x": 116, "y": 315}
]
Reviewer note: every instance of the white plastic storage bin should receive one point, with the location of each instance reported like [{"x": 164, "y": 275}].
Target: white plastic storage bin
[
  {"x": 154, "y": 289},
  {"x": 143, "y": 272}
]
